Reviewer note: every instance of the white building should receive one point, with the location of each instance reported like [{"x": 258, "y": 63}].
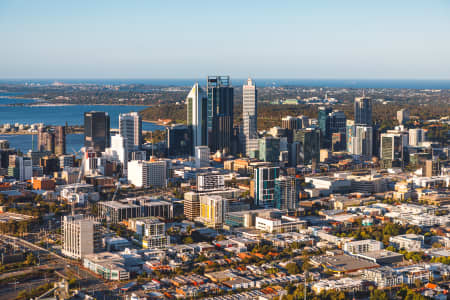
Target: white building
[
  {"x": 249, "y": 116},
  {"x": 360, "y": 140},
  {"x": 130, "y": 127},
  {"x": 210, "y": 182},
  {"x": 416, "y": 136},
  {"x": 213, "y": 210},
  {"x": 363, "y": 246},
  {"x": 80, "y": 236},
  {"x": 409, "y": 242},
  {"x": 284, "y": 224},
  {"x": 202, "y": 154},
  {"x": 153, "y": 233},
  {"x": 197, "y": 106},
  {"x": 119, "y": 151},
  {"x": 147, "y": 173}
]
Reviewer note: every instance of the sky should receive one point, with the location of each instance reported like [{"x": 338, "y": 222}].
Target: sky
[{"x": 343, "y": 39}]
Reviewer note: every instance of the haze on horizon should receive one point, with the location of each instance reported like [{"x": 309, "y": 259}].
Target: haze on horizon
[{"x": 191, "y": 39}]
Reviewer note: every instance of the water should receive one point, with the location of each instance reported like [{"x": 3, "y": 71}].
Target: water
[
  {"x": 57, "y": 115},
  {"x": 261, "y": 82},
  {"x": 72, "y": 114},
  {"x": 23, "y": 142}
]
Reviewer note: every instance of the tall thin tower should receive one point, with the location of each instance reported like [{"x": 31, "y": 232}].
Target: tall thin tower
[
  {"x": 249, "y": 117},
  {"x": 197, "y": 116}
]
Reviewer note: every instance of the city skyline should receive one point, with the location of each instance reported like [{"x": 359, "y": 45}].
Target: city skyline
[{"x": 401, "y": 40}]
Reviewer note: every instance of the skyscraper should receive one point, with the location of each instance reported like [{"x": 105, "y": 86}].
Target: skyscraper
[
  {"x": 96, "y": 130},
  {"x": 286, "y": 192},
  {"x": 363, "y": 111},
  {"x": 197, "y": 116},
  {"x": 52, "y": 140},
  {"x": 130, "y": 127},
  {"x": 269, "y": 149},
  {"x": 220, "y": 112},
  {"x": 322, "y": 118},
  {"x": 179, "y": 140},
  {"x": 265, "y": 186},
  {"x": 249, "y": 116},
  {"x": 305, "y": 147},
  {"x": 360, "y": 140}
]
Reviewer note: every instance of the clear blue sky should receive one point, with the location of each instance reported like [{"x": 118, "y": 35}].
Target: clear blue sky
[{"x": 190, "y": 39}]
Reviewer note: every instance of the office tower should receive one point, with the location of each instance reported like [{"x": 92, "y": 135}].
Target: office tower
[
  {"x": 249, "y": 117},
  {"x": 191, "y": 206},
  {"x": 130, "y": 127},
  {"x": 46, "y": 140},
  {"x": 338, "y": 141},
  {"x": 20, "y": 167},
  {"x": 197, "y": 116},
  {"x": 145, "y": 174},
  {"x": 60, "y": 140},
  {"x": 220, "y": 113},
  {"x": 416, "y": 136},
  {"x": 210, "y": 182},
  {"x": 265, "y": 186},
  {"x": 212, "y": 210},
  {"x": 179, "y": 140},
  {"x": 402, "y": 116},
  {"x": 202, "y": 154},
  {"x": 363, "y": 111},
  {"x": 360, "y": 140},
  {"x": 52, "y": 140},
  {"x": 322, "y": 118},
  {"x": 291, "y": 123},
  {"x": 80, "y": 236},
  {"x": 286, "y": 192},
  {"x": 305, "y": 147},
  {"x": 96, "y": 130},
  {"x": 66, "y": 161},
  {"x": 430, "y": 168},
  {"x": 303, "y": 121},
  {"x": 269, "y": 149},
  {"x": 393, "y": 147},
  {"x": 119, "y": 152}
]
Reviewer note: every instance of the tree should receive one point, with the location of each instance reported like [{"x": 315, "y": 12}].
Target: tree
[
  {"x": 292, "y": 268},
  {"x": 378, "y": 295},
  {"x": 188, "y": 240}
]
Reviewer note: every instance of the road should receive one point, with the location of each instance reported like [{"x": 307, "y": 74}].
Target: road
[{"x": 63, "y": 267}]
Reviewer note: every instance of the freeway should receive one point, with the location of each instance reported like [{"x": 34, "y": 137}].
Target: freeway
[{"x": 64, "y": 267}]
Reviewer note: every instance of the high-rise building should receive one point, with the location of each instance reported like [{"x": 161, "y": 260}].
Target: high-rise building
[
  {"x": 119, "y": 152},
  {"x": 393, "y": 146},
  {"x": 265, "y": 186},
  {"x": 20, "y": 167},
  {"x": 249, "y": 117},
  {"x": 197, "y": 116},
  {"x": 402, "y": 116},
  {"x": 305, "y": 147},
  {"x": 96, "y": 130},
  {"x": 360, "y": 140},
  {"x": 286, "y": 192},
  {"x": 80, "y": 236},
  {"x": 322, "y": 118},
  {"x": 52, "y": 140},
  {"x": 220, "y": 112},
  {"x": 416, "y": 136},
  {"x": 179, "y": 140},
  {"x": 363, "y": 111},
  {"x": 291, "y": 123},
  {"x": 130, "y": 127},
  {"x": 153, "y": 233},
  {"x": 202, "y": 156},
  {"x": 212, "y": 210},
  {"x": 269, "y": 149},
  {"x": 147, "y": 173}
]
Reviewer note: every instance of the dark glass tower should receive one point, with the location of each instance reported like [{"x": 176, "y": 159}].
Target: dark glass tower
[
  {"x": 96, "y": 130},
  {"x": 220, "y": 112}
]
